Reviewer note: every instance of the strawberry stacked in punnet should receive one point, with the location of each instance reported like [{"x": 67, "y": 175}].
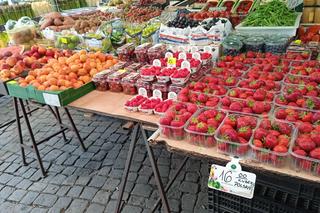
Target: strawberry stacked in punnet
[
  {"x": 202, "y": 126},
  {"x": 175, "y": 118},
  {"x": 234, "y": 134},
  {"x": 306, "y": 150},
  {"x": 271, "y": 141}
]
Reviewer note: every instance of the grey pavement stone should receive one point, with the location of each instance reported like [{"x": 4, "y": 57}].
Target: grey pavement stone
[
  {"x": 97, "y": 181},
  {"x": 71, "y": 160},
  {"x": 38, "y": 187},
  {"x": 5, "y": 178},
  {"x": 75, "y": 191},
  {"x": 77, "y": 206},
  {"x": 14, "y": 181},
  {"x": 189, "y": 187},
  {"x": 99, "y": 156},
  {"x": 51, "y": 189},
  {"x": 68, "y": 171},
  {"x": 102, "y": 197},
  {"x": 88, "y": 193},
  {"x": 83, "y": 180},
  {"x": 131, "y": 209},
  {"x": 13, "y": 167},
  {"x": 95, "y": 208},
  {"x": 6, "y": 192},
  {"x": 116, "y": 173},
  {"x": 111, "y": 206},
  {"x": 115, "y": 196},
  {"x": 111, "y": 184},
  {"x": 61, "y": 205},
  {"x": 142, "y": 190},
  {"x": 81, "y": 162},
  {"x": 63, "y": 190},
  {"x": 24, "y": 184},
  {"x": 137, "y": 200},
  {"x": 188, "y": 201},
  {"x": 95, "y": 165},
  {"x": 70, "y": 181},
  {"x": 17, "y": 195},
  {"x": 29, "y": 173},
  {"x": 46, "y": 200},
  {"x": 29, "y": 197},
  {"x": 104, "y": 171},
  {"x": 38, "y": 210}
]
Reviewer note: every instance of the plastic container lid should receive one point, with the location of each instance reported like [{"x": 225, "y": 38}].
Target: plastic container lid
[
  {"x": 124, "y": 49},
  {"x": 143, "y": 47},
  {"x": 256, "y": 40},
  {"x": 117, "y": 76},
  {"x": 275, "y": 40},
  {"x": 131, "y": 78},
  {"x": 232, "y": 43}
]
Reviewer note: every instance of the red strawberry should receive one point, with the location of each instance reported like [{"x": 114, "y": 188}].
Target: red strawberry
[
  {"x": 284, "y": 128},
  {"x": 281, "y": 114},
  {"x": 258, "y": 107},
  {"x": 165, "y": 121},
  {"x": 260, "y": 133},
  {"x": 192, "y": 108},
  {"x": 315, "y": 153},
  {"x": 315, "y": 137},
  {"x": 245, "y": 132},
  {"x": 226, "y": 101},
  {"x": 280, "y": 149},
  {"x": 231, "y": 120},
  {"x": 202, "y": 127},
  {"x": 259, "y": 95},
  {"x": 231, "y": 134},
  {"x": 265, "y": 124},
  {"x": 270, "y": 141},
  {"x": 236, "y": 106},
  {"x": 304, "y": 127},
  {"x": 257, "y": 143},
  {"x": 175, "y": 123},
  {"x": 212, "y": 122},
  {"x": 300, "y": 152},
  {"x": 306, "y": 143}
]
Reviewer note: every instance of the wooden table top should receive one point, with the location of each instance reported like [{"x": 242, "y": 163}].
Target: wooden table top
[{"x": 111, "y": 104}]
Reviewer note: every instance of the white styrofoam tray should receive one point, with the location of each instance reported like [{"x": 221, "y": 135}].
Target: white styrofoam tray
[{"x": 281, "y": 30}]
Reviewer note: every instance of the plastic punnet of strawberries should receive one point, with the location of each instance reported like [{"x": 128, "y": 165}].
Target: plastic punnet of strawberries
[
  {"x": 172, "y": 123},
  {"x": 306, "y": 150},
  {"x": 202, "y": 126},
  {"x": 271, "y": 141},
  {"x": 234, "y": 134}
]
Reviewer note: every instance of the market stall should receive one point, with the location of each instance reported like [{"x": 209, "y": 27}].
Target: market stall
[{"x": 233, "y": 79}]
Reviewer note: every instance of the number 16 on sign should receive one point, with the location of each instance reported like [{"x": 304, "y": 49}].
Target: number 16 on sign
[{"x": 231, "y": 179}]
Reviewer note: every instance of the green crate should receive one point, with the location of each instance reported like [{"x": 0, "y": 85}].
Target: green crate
[{"x": 54, "y": 98}]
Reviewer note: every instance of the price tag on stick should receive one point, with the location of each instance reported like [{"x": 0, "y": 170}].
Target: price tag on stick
[{"x": 231, "y": 179}]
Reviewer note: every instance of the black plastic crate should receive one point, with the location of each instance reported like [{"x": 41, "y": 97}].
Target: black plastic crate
[{"x": 273, "y": 194}]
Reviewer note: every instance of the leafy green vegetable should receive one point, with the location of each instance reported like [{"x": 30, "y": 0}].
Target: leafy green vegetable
[{"x": 273, "y": 13}]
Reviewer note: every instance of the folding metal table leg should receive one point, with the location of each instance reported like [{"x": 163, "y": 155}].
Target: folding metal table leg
[
  {"x": 60, "y": 122},
  {"x": 171, "y": 182},
  {"x": 134, "y": 138},
  {"x": 16, "y": 109},
  {"x": 74, "y": 128},
  {"x": 155, "y": 171},
  {"x": 34, "y": 146}
]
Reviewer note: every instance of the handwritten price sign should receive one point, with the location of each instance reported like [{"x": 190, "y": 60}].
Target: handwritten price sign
[{"x": 231, "y": 179}]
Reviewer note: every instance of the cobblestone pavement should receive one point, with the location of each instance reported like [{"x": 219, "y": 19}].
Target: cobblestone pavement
[{"x": 88, "y": 181}]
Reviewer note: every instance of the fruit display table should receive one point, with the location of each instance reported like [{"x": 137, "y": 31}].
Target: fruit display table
[{"x": 111, "y": 104}]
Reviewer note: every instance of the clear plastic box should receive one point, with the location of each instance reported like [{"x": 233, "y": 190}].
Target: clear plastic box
[
  {"x": 128, "y": 83},
  {"x": 164, "y": 75},
  {"x": 268, "y": 156},
  {"x": 148, "y": 73},
  {"x": 179, "y": 81},
  {"x": 157, "y": 51},
  {"x": 134, "y": 106},
  {"x": 141, "y": 52},
  {"x": 100, "y": 80},
  {"x": 134, "y": 67},
  {"x": 306, "y": 90},
  {"x": 249, "y": 94},
  {"x": 126, "y": 52},
  {"x": 203, "y": 139},
  {"x": 114, "y": 80},
  {"x": 210, "y": 89},
  {"x": 249, "y": 107},
  {"x": 302, "y": 102},
  {"x": 235, "y": 148},
  {"x": 304, "y": 163},
  {"x": 174, "y": 132},
  {"x": 163, "y": 88},
  {"x": 297, "y": 79},
  {"x": 201, "y": 99},
  {"x": 295, "y": 115},
  {"x": 175, "y": 88},
  {"x": 149, "y": 110},
  {"x": 270, "y": 86},
  {"x": 147, "y": 86}
]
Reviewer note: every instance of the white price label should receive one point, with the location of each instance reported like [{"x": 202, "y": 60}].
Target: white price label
[
  {"x": 168, "y": 55},
  {"x": 172, "y": 96},
  {"x": 182, "y": 56},
  {"x": 185, "y": 64},
  {"x": 143, "y": 92},
  {"x": 157, "y": 94},
  {"x": 196, "y": 55},
  {"x": 231, "y": 179},
  {"x": 156, "y": 63},
  {"x": 51, "y": 99},
  {"x": 194, "y": 49}
]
